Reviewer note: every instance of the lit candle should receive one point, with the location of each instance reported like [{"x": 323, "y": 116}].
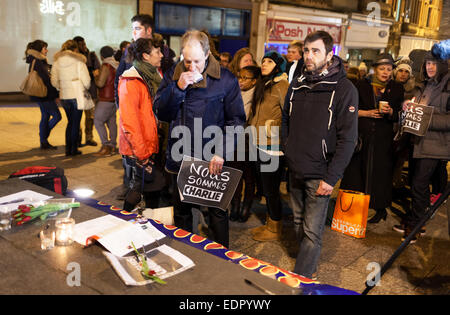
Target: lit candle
[{"x": 64, "y": 231}]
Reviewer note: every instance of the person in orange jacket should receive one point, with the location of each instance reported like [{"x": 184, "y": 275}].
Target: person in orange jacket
[{"x": 138, "y": 126}]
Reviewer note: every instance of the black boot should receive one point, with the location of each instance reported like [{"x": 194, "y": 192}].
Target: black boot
[
  {"x": 245, "y": 211},
  {"x": 381, "y": 214},
  {"x": 234, "y": 213}
]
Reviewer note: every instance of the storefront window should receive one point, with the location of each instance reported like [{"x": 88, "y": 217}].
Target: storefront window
[
  {"x": 100, "y": 23},
  {"x": 175, "y": 19}
]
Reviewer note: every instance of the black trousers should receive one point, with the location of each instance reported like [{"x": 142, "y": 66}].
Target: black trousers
[
  {"x": 420, "y": 189},
  {"x": 182, "y": 215},
  {"x": 270, "y": 181}
]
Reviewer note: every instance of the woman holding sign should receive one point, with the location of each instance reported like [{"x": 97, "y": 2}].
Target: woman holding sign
[
  {"x": 138, "y": 128},
  {"x": 371, "y": 168}
]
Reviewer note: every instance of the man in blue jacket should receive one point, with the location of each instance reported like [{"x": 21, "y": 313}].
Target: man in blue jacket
[
  {"x": 319, "y": 134},
  {"x": 195, "y": 95}
]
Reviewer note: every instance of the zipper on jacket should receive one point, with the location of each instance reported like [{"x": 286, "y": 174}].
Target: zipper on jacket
[
  {"x": 324, "y": 149},
  {"x": 329, "y": 109}
]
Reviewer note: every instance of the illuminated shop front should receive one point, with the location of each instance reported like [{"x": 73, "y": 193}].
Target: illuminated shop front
[
  {"x": 99, "y": 22},
  {"x": 285, "y": 24}
]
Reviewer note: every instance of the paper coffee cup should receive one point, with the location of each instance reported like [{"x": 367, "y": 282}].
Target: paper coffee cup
[{"x": 381, "y": 104}]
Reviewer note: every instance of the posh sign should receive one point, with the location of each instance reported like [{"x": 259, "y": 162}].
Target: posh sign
[{"x": 287, "y": 31}]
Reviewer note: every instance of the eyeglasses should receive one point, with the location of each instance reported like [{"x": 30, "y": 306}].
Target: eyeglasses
[{"x": 244, "y": 78}]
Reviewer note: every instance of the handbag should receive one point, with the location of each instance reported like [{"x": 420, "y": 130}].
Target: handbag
[
  {"x": 84, "y": 98},
  {"x": 33, "y": 84},
  {"x": 350, "y": 213}
]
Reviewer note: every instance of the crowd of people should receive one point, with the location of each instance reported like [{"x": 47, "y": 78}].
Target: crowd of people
[{"x": 318, "y": 118}]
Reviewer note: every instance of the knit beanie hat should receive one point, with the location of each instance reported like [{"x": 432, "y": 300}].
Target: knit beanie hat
[
  {"x": 362, "y": 66},
  {"x": 278, "y": 59},
  {"x": 404, "y": 63}
]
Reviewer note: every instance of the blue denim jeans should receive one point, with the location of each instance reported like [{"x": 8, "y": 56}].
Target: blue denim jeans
[
  {"x": 73, "y": 125},
  {"x": 310, "y": 212},
  {"x": 50, "y": 116}
]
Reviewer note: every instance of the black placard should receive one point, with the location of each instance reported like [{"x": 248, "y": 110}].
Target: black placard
[
  {"x": 198, "y": 186},
  {"x": 416, "y": 119}
]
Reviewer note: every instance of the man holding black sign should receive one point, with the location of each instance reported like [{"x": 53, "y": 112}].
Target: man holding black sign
[
  {"x": 200, "y": 100},
  {"x": 434, "y": 147}
]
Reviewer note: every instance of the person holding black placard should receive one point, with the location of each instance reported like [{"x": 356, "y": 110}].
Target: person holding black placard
[
  {"x": 195, "y": 96},
  {"x": 433, "y": 149}
]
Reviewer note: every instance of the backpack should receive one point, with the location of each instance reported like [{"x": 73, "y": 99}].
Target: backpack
[{"x": 51, "y": 178}]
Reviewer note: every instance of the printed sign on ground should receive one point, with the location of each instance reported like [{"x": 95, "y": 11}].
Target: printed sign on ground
[{"x": 198, "y": 186}]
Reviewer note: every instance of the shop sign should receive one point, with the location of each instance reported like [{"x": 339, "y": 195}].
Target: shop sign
[{"x": 287, "y": 31}]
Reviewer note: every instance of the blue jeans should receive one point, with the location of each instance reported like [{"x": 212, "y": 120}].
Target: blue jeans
[
  {"x": 310, "y": 212},
  {"x": 73, "y": 125},
  {"x": 48, "y": 109}
]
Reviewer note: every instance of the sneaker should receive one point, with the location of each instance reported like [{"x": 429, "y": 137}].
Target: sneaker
[
  {"x": 406, "y": 234},
  {"x": 400, "y": 228},
  {"x": 434, "y": 198}
]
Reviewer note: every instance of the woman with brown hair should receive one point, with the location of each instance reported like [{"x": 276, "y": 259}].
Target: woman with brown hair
[
  {"x": 138, "y": 128},
  {"x": 36, "y": 57},
  {"x": 242, "y": 58}
]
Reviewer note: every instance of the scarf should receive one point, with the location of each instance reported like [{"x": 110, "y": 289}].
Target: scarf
[
  {"x": 378, "y": 86},
  {"x": 314, "y": 77},
  {"x": 149, "y": 74}
]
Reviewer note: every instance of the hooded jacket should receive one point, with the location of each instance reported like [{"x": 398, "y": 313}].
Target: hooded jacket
[
  {"x": 320, "y": 124},
  {"x": 42, "y": 67},
  {"x": 138, "y": 131},
  {"x": 214, "y": 102},
  {"x": 69, "y": 66},
  {"x": 435, "y": 92}
]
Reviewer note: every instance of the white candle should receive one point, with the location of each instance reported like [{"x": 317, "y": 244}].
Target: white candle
[{"x": 64, "y": 231}]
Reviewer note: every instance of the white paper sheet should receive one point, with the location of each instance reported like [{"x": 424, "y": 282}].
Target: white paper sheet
[
  {"x": 164, "y": 260},
  {"x": 116, "y": 234},
  {"x": 22, "y": 197}
]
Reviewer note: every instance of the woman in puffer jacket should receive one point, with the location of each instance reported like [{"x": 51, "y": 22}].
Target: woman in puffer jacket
[
  {"x": 268, "y": 100},
  {"x": 69, "y": 66},
  {"x": 138, "y": 128},
  {"x": 37, "y": 52}
]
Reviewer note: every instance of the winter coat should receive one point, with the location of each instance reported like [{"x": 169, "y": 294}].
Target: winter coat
[
  {"x": 371, "y": 169},
  {"x": 105, "y": 80},
  {"x": 268, "y": 113},
  {"x": 436, "y": 142},
  {"x": 138, "y": 130},
  {"x": 213, "y": 102},
  {"x": 65, "y": 70},
  {"x": 43, "y": 69},
  {"x": 319, "y": 124}
]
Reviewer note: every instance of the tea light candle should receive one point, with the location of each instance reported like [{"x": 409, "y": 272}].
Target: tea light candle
[{"x": 64, "y": 231}]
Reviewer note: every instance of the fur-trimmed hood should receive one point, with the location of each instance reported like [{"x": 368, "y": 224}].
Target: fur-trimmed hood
[
  {"x": 34, "y": 54},
  {"x": 71, "y": 57}
]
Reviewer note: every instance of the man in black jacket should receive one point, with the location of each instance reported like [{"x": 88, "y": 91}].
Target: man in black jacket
[{"x": 319, "y": 135}]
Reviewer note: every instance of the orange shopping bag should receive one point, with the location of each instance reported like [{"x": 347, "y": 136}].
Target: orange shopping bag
[{"x": 350, "y": 213}]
